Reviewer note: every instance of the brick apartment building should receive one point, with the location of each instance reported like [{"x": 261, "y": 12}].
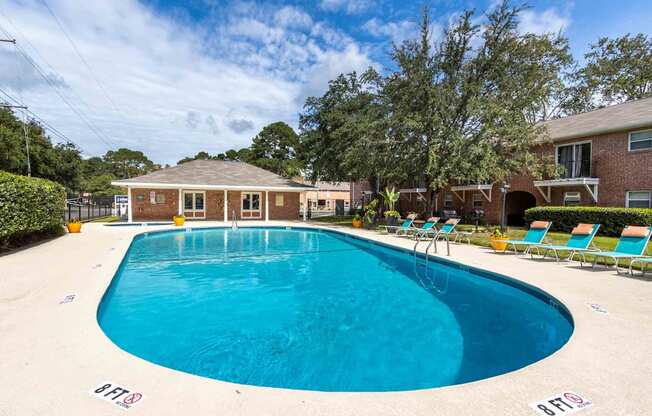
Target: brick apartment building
[
  {"x": 607, "y": 159},
  {"x": 213, "y": 190}
]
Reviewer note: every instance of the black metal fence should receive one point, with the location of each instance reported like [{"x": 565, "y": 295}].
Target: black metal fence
[{"x": 88, "y": 208}]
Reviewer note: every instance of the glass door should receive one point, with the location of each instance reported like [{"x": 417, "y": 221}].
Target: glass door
[
  {"x": 250, "y": 205},
  {"x": 193, "y": 204}
]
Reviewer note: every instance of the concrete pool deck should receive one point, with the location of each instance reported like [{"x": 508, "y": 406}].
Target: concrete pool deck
[{"x": 52, "y": 353}]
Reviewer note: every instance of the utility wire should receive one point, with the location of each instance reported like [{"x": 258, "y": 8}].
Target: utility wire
[
  {"x": 96, "y": 131},
  {"x": 81, "y": 57},
  {"x": 45, "y": 124}
]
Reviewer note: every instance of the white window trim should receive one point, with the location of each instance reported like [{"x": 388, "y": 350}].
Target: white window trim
[
  {"x": 629, "y": 141},
  {"x": 251, "y": 211},
  {"x": 557, "y": 146},
  {"x": 649, "y": 198},
  {"x": 194, "y": 211}
]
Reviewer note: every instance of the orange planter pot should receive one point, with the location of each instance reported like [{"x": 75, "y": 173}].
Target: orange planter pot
[
  {"x": 356, "y": 224},
  {"x": 74, "y": 227},
  {"x": 499, "y": 243},
  {"x": 179, "y": 221}
]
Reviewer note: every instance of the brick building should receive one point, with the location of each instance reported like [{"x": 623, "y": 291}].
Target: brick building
[
  {"x": 607, "y": 159},
  {"x": 213, "y": 190}
]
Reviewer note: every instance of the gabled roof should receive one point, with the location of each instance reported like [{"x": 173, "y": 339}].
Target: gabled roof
[
  {"x": 631, "y": 115},
  {"x": 213, "y": 174}
]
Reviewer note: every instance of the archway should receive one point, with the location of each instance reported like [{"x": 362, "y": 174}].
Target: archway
[{"x": 516, "y": 204}]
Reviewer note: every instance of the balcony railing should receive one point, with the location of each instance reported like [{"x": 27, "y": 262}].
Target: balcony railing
[{"x": 575, "y": 169}]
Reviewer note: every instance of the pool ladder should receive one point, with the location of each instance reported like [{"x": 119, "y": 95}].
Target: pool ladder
[
  {"x": 234, "y": 223},
  {"x": 430, "y": 283}
]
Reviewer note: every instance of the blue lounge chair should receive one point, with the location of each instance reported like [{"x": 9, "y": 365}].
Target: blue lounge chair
[
  {"x": 533, "y": 237},
  {"x": 426, "y": 227},
  {"x": 628, "y": 247},
  {"x": 643, "y": 261},
  {"x": 403, "y": 228},
  {"x": 581, "y": 238},
  {"x": 445, "y": 231}
]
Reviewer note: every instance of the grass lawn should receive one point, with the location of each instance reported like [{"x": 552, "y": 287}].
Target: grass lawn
[
  {"x": 110, "y": 218},
  {"x": 481, "y": 237}
]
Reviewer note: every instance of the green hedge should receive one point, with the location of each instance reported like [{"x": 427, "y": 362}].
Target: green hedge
[
  {"x": 613, "y": 220},
  {"x": 29, "y": 206}
]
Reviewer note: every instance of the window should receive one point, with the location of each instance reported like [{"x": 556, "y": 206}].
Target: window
[
  {"x": 638, "y": 199},
  {"x": 152, "y": 197},
  {"x": 160, "y": 198},
  {"x": 448, "y": 200},
  {"x": 575, "y": 159},
  {"x": 280, "y": 200},
  {"x": 250, "y": 207},
  {"x": 193, "y": 204},
  {"x": 572, "y": 198},
  {"x": 477, "y": 200},
  {"x": 640, "y": 140}
]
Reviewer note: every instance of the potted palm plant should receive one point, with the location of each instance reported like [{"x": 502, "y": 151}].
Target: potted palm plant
[
  {"x": 391, "y": 197},
  {"x": 370, "y": 214}
]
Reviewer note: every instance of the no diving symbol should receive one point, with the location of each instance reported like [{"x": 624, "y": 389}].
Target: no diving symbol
[
  {"x": 132, "y": 398},
  {"x": 574, "y": 398}
]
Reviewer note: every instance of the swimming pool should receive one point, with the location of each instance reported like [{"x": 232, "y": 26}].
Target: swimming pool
[{"x": 319, "y": 310}]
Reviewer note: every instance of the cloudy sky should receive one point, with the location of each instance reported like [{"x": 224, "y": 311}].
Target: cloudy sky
[{"x": 172, "y": 78}]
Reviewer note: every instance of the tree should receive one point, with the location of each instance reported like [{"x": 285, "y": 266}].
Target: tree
[
  {"x": 126, "y": 163},
  {"x": 617, "y": 70},
  {"x": 459, "y": 111},
  {"x": 60, "y": 163},
  {"x": 274, "y": 149}
]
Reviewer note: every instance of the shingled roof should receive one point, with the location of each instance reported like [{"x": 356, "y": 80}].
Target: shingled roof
[
  {"x": 214, "y": 174},
  {"x": 631, "y": 115}
]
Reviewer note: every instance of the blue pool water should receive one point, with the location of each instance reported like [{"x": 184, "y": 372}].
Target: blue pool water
[{"x": 318, "y": 310}]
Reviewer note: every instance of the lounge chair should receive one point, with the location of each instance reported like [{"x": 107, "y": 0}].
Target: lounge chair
[
  {"x": 631, "y": 245},
  {"x": 446, "y": 230},
  {"x": 404, "y": 227},
  {"x": 579, "y": 243},
  {"x": 426, "y": 227},
  {"x": 533, "y": 237},
  {"x": 643, "y": 261}
]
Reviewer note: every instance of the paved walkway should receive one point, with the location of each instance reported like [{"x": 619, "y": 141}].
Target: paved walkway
[{"x": 52, "y": 354}]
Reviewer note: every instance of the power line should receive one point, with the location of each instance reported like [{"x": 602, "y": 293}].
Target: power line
[
  {"x": 81, "y": 58},
  {"x": 44, "y": 124},
  {"x": 95, "y": 130}
]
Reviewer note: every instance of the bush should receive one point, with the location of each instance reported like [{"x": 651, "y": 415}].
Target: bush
[
  {"x": 29, "y": 207},
  {"x": 613, "y": 220}
]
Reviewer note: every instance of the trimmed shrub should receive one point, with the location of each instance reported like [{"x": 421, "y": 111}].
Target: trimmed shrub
[
  {"x": 28, "y": 207},
  {"x": 613, "y": 220}
]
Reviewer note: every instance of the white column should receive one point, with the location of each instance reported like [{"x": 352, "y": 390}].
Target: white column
[
  {"x": 130, "y": 216},
  {"x": 266, "y": 206},
  {"x": 305, "y": 204},
  {"x": 180, "y": 201},
  {"x": 226, "y": 206}
]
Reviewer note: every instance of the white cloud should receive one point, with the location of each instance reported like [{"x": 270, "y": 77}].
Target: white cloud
[
  {"x": 289, "y": 16},
  {"x": 177, "y": 87},
  {"x": 329, "y": 66},
  {"x": 548, "y": 21},
  {"x": 347, "y": 6},
  {"x": 396, "y": 31}
]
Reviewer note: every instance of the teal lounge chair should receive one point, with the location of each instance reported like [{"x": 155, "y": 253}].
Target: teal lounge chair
[
  {"x": 579, "y": 243},
  {"x": 403, "y": 228},
  {"x": 533, "y": 237},
  {"x": 627, "y": 248},
  {"x": 426, "y": 227},
  {"x": 445, "y": 231},
  {"x": 643, "y": 261}
]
